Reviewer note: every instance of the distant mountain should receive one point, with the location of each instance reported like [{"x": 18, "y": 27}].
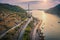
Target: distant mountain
[
  {"x": 12, "y": 8},
  {"x": 11, "y": 15},
  {"x": 55, "y": 10}
]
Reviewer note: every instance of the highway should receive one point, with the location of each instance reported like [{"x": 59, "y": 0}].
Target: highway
[
  {"x": 12, "y": 28},
  {"x": 23, "y": 28}
]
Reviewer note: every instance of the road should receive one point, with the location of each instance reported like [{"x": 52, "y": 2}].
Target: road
[
  {"x": 23, "y": 28},
  {"x": 34, "y": 31},
  {"x": 12, "y": 29}
]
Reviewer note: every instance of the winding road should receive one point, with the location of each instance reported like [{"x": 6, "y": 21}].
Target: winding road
[{"x": 23, "y": 28}]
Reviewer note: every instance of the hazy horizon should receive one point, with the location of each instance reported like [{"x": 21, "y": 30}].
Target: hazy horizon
[{"x": 34, "y": 4}]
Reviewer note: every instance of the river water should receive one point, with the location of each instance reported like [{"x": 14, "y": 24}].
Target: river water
[{"x": 50, "y": 26}]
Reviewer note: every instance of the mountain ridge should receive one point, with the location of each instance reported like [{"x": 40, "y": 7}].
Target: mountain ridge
[
  {"x": 11, "y": 15},
  {"x": 54, "y": 10}
]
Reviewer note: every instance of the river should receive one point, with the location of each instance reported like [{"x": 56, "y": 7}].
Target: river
[{"x": 50, "y": 26}]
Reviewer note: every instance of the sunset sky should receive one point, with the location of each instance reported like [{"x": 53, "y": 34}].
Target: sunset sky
[{"x": 34, "y": 4}]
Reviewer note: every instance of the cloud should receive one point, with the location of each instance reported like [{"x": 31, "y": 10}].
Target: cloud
[
  {"x": 14, "y": 1},
  {"x": 55, "y": 0},
  {"x": 30, "y": 2},
  {"x": 33, "y": 3}
]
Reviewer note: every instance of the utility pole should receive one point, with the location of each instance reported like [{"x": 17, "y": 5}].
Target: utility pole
[
  {"x": 29, "y": 13},
  {"x": 28, "y": 7}
]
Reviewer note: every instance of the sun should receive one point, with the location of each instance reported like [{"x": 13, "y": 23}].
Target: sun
[{"x": 44, "y": 0}]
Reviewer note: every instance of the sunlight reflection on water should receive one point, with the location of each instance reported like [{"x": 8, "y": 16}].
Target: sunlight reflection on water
[{"x": 52, "y": 27}]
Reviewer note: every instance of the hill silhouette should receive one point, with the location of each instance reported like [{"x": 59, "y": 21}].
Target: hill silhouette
[
  {"x": 55, "y": 10},
  {"x": 12, "y": 8}
]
